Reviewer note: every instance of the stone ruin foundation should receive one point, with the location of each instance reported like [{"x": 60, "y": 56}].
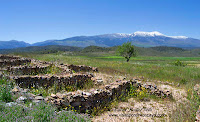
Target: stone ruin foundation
[
  {"x": 83, "y": 101},
  {"x": 20, "y": 70},
  {"x": 6, "y": 60}
]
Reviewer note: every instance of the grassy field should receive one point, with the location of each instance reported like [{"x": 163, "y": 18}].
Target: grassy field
[{"x": 154, "y": 68}]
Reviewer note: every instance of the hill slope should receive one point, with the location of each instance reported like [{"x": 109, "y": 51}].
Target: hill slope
[
  {"x": 12, "y": 44},
  {"x": 40, "y": 49},
  {"x": 95, "y": 50}
]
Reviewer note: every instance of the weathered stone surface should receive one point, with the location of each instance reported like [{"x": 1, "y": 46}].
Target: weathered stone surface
[
  {"x": 59, "y": 95},
  {"x": 10, "y": 104},
  {"x": 21, "y": 99},
  {"x": 6, "y": 60},
  {"x": 48, "y": 98},
  {"x": 198, "y": 115},
  {"x": 37, "y": 101},
  {"x": 48, "y": 81},
  {"x": 87, "y": 93},
  {"x": 99, "y": 81},
  {"x": 53, "y": 96},
  {"x": 15, "y": 89},
  {"x": 27, "y": 70},
  {"x": 197, "y": 87},
  {"x": 39, "y": 98},
  {"x": 98, "y": 97},
  {"x": 68, "y": 93},
  {"x": 83, "y": 68}
]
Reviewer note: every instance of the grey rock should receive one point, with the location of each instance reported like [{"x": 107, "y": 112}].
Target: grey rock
[
  {"x": 37, "y": 101},
  {"x": 21, "y": 99},
  {"x": 75, "y": 103},
  {"x": 59, "y": 95},
  {"x": 99, "y": 81},
  {"x": 197, "y": 87},
  {"x": 68, "y": 93},
  {"x": 38, "y": 98},
  {"x": 95, "y": 92},
  {"x": 53, "y": 96},
  {"x": 87, "y": 93},
  {"x": 10, "y": 104}
]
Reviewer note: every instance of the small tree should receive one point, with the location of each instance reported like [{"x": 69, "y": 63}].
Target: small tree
[{"x": 127, "y": 51}]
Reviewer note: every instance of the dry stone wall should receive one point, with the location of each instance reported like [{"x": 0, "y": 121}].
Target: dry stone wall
[
  {"x": 83, "y": 101},
  {"x": 14, "y": 62},
  {"x": 24, "y": 71},
  {"x": 27, "y": 70},
  {"x": 6, "y": 60},
  {"x": 4, "y": 57},
  {"x": 82, "y": 68},
  {"x": 23, "y": 66},
  {"x": 48, "y": 81}
]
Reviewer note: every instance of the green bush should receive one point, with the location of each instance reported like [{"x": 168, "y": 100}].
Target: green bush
[
  {"x": 183, "y": 81},
  {"x": 179, "y": 63},
  {"x": 5, "y": 94}
]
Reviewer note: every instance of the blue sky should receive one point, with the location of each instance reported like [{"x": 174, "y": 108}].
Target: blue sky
[{"x": 40, "y": 20}]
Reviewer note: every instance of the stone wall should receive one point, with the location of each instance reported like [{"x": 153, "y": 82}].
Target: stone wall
[
  {"x": 4, "y": 57},
  {"x": 28, "y": 70},
  {"x": 82, "y": 68},
  {"x": 14, "y": 62},
  {"x": 48, "y": 81},
  {"x": 6, "y": 60},
  {"x": 83, "y": 101}
]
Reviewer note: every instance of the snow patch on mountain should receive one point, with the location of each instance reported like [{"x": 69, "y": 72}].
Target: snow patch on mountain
[
  {"x": 154, "y": 33},
  {"x": 178, "y": 37},
  {"x": 145, "y": 34}
]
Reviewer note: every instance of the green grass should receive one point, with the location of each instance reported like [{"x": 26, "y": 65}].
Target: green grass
[
  {"x": 155, "y": 68},
  {"x": 38, "y": 113}
]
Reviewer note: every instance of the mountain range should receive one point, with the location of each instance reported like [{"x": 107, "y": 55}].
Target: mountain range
[{"x": 140, "y": 39}]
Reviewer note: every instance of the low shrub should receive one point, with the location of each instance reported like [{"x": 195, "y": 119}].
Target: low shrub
[
  {"x": 179, "y": 63},
  {"x": 5, "y": 94},
  {"x": 183, "y": 81}
]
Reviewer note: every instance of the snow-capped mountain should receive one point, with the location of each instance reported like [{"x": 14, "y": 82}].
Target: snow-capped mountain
[
  {"x": 139, "y": 38},
  {"x": 145, "y": 34}
]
